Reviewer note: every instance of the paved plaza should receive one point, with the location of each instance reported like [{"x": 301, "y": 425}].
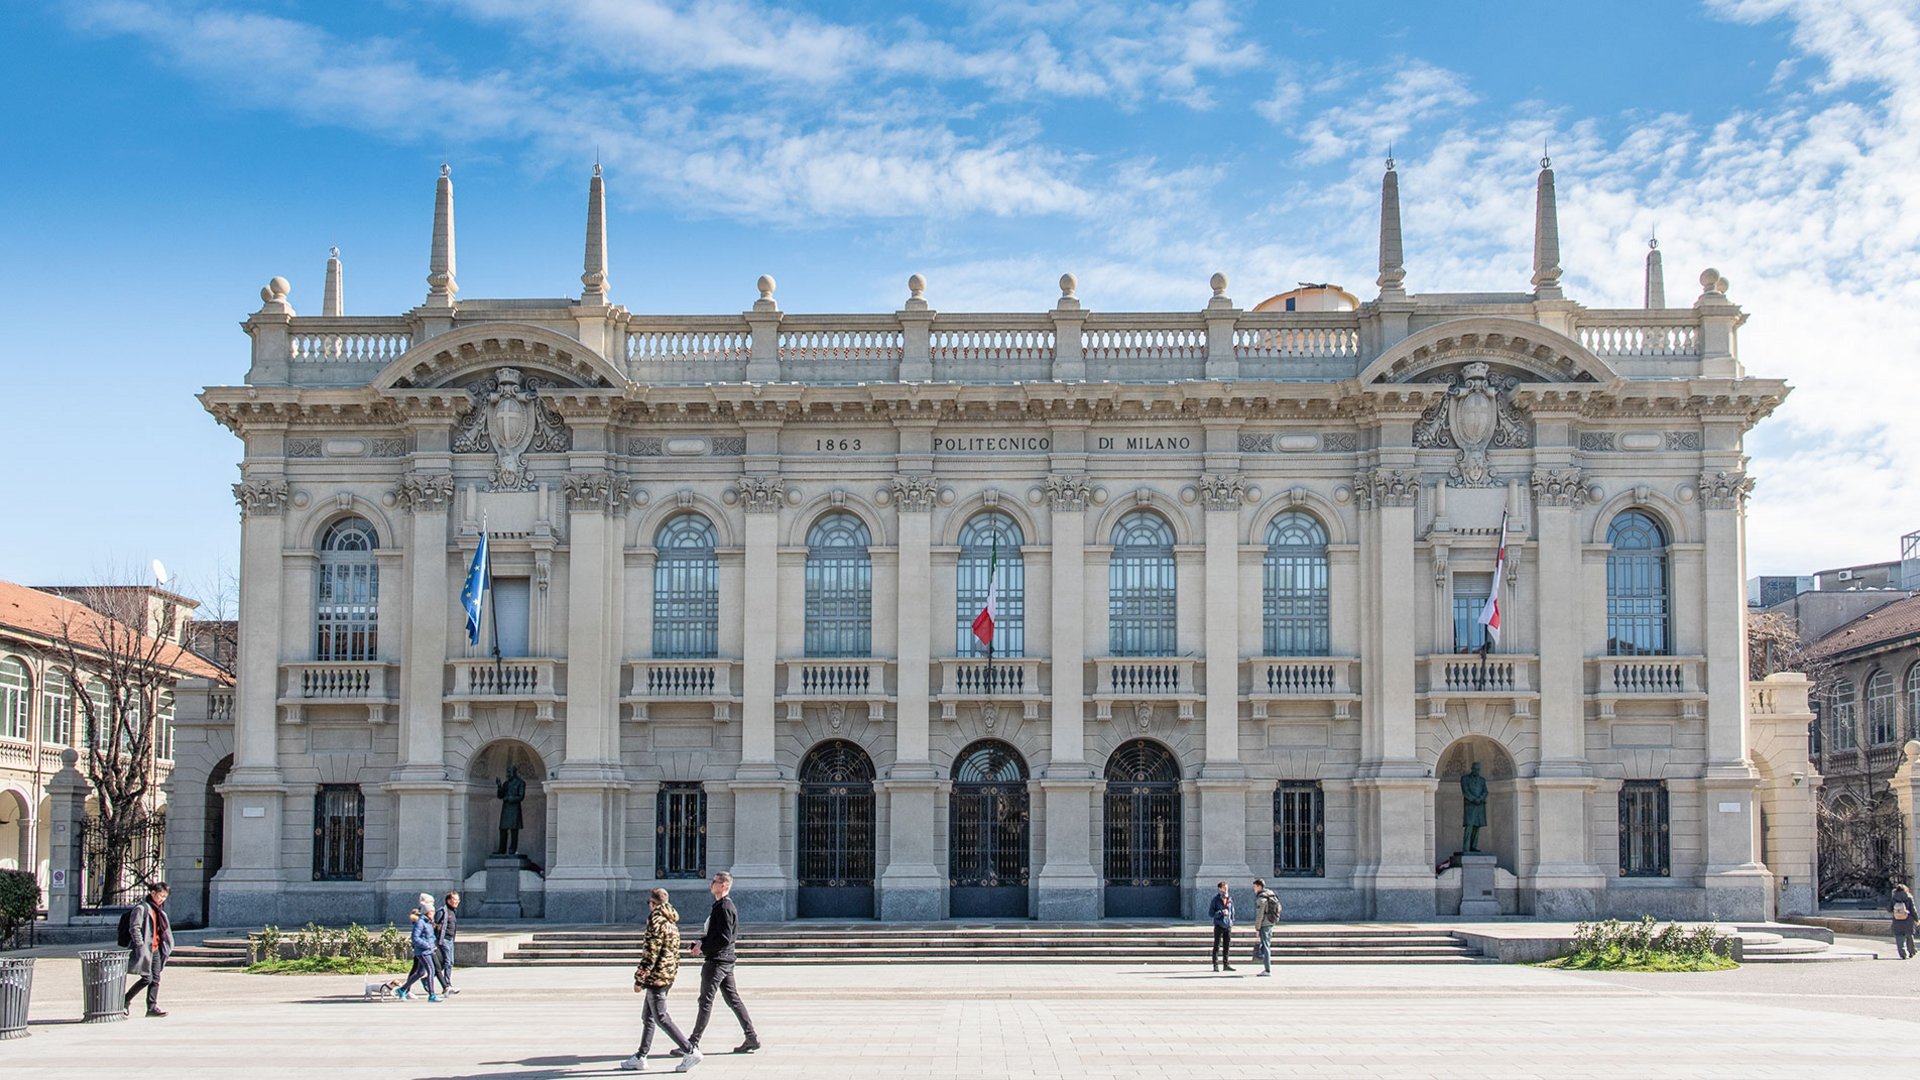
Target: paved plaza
[{"x": 857, "y": 1021}]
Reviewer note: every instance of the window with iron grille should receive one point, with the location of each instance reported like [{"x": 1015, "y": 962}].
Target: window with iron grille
[
  {"x": 56, "y": 709},
  {"x": 339, "y": 832},
  {"x": 1299, "y": 830},
  {"x": 16, "y": 693},
  {"x": 347, "y": 600},
  {"x": 1883, "y": 709},
  {"x": 1296, "y": 593},
  {"x": 1142, "y": 600},
  {"x": 686, "y": 590},
  {"x": 1841, "y": 704},
  {"x": 1470, "y": 592},
  {"x": 839, "y": 587},
  {"x": 1143, "y": 815},
  {"x": 1637, "y": 587},
  {"x": 983, "y": 539},
  {"x": 1643, "y": 829},
  {"x": 680, "y": 830}
]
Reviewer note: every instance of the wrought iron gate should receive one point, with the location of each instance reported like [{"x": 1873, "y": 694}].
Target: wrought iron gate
[
  {"x": 1862, "y": 851},
  {"x": 988, "y": 829},
  {"x": 1143, "y": 831},
  {"x": 836, "y": 832},
  {"x": 119, "y": 873}
]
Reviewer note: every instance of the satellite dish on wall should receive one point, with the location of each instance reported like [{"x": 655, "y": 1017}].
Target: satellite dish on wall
[{"x": 159, "y": 572}]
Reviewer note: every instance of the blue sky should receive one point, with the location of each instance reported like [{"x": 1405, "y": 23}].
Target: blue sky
[{"x": 167, "y": 157}]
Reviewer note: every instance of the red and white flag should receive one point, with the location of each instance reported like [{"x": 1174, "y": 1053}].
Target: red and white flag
[
  {"x": 1490, "y": 611},
  {"x": 983, "y": 622}
]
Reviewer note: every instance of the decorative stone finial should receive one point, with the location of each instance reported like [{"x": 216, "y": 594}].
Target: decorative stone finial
[
  {"x": 1656, "y": 281},
  {"x": 441, "y": 285},
  {"x": 1710, "y": 280},
  {"x": 273, "y": 296},
  {"x": 917, "y": 286},
  {"x": 593, "y": 272},
  {"x": 1218, "y": 282},
  {"x": 1546, "y": 236},
  {"x": 1393, "y": 271},
  {"x": 445, "y": 169},
  {"x": 333, "y": 299},
  {"x": 1068, "y": 283},
  {"x": 333, "y": 252},
  {"x": 596, "y": 168},
  {"x": 765, "y": 285}
]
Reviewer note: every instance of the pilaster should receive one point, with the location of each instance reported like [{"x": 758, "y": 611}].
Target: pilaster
[
  {"x": 1069, "y": 888},
  {"x": 762, "y": 889}
]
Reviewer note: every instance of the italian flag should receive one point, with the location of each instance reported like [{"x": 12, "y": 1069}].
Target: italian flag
[
  {"x": 983, "y": 622},
  {"x": 1490, "y": 612}
]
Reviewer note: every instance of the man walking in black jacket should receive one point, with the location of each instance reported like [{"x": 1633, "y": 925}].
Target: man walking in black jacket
[{"x": 715, "y": 950}]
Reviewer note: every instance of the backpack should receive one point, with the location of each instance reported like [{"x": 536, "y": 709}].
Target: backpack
[
  {"x": 126, "y": 929},
  {"x": 1270, "y": 907}
]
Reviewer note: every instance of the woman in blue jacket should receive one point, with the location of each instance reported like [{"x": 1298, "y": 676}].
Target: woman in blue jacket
[{"x": 426, "y": 948}]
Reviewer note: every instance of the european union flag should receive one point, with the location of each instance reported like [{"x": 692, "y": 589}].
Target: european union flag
[{"x": 479, "y": 577}]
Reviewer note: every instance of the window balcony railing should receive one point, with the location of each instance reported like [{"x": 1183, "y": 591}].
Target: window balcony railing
[
  {"x": 344, "y": 682},
  {"x": 1145, "y": 677},
  {"x": 1464, "y": 673},
  {"x": 846, "y": 679},
  {"x": 972, "y": 677},
  {"x": 517, "y": 678},
  {"x": 1646, "y": 676},
  {"x": 1301, "y": 678},
  {"x": 709, "y": 680},
  {"x": 15, "y": 753}
]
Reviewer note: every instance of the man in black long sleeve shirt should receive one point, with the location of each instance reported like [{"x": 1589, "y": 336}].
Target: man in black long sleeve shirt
[{"x": 715, "y": 949}]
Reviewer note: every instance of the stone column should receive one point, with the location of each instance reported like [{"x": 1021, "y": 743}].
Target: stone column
[
  {"x": 1222, "y": 784},
  {"x": 247, "y": 888},
  {"x": 914, "y": 885},
  {"x": 421, "y": 794},
  {"x": 67, "y": 808},
  {"x": 1069, "y": 887},
  {"x": 761, "y": 889},
  {"x": 588, "y": 789},
  {"x": 1737, "y": 884},
  {"x": 1392, "y": 791},
  {"x": 1566, "y": 884},
  {"x": 1906, "y": 791}
]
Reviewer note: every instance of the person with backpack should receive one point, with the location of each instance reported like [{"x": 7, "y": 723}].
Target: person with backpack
[
  {"x": 444, "y": 925},
  {"x": 145, "y": 930},
  {"x": 1266, "y": 906},
  {"x": 426, "y": 950},
  {"x": 1220, "y": 910},
  {"x": 659, "y": 964},
  {"x": 1905, "y": 918}
]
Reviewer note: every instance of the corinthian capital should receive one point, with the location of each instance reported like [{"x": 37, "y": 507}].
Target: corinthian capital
[
  {"x": 596, "y": 490},
  {"x": 1222, "y": 491},
  {"x": 260, "y": 496},
  {"x": 1069, "y": 493},
  {"x": 425, "y": 491},
  {"x": 1558, "y": 487},
  {"x": 762, "y": 494},
  {"x": 1386, "y": 487},
  {"x": 1724, "y": 490},
  {"x": 915, "y": 494}
]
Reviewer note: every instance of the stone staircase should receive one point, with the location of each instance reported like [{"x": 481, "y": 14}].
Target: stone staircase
[
  {"x": 1767, "y": 947},
  {"x": 1011, "y": 943},
  {"x": 212, "y": 952}
]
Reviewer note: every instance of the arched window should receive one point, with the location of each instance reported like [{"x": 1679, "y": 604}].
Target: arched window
[
  {"x": 686, "y": 589},
  {"x": 163, "y": 727},
  {"x": 1295, "y": 595},
  {"x": 990, "y": 557},
  {"x": 1141, "y": 592},
  {"x": 1637, "y": 587},
  {"x": 16, "y": 693},
  {"x": 839, "y": 587},
  {"x": 56, "y": 709},
  {"x": 97, "y": 723},
  {"x": 347, "y": 603},
  {"x": 1883, "y": 705},
  {"x": 1913, "y": 701},
  {"x": 1840, "y": 706}
]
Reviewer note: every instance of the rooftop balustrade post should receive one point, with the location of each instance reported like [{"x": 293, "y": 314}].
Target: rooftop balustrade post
[
  {"x": 1069, "y": 361},
  {"x": 763, "y": 363},
  {"x": 916, "y": 331},
  {"x": 1221, "y": 316}
]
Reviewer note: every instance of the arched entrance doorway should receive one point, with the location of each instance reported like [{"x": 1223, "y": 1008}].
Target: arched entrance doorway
[
  {"x": 836, "y": 832},
  {"x": 1143, "y": 831},
  {"x": 214, "y": 827},
  {"x": 16, "y": 832},
  {"x": 1501, "y": 835},
  {"x": 988, "y": 830}
]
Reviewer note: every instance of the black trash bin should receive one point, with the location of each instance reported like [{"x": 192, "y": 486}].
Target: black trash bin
[
  {"x": 16, "y": 988},
  {"x": 104, "y": 975}
]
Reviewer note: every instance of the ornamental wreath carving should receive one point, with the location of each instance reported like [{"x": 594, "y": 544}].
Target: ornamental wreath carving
[
  {"x": 1069, "y": 493},
  {"x": 425, "y": 491},
  {"x": 596, "y": 490},
  {"x": 915, "y": 494},
  {"x": 1723, "y": 490},
  {"x": 762, "y": 494},
  {"x": 1386, "y": 487},
  {"x": 1222, "y": 491},
  {"x": 1558, "y": 487},
  {"x": 260, "y": 496},
  {"x": 509, "y": 419},
  {"x": 1476, "y": 416}
]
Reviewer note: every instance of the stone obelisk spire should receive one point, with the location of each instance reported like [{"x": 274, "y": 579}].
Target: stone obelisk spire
[
  {"x": 440, "y": 273},
  {"x": 1546, "y": 237},
  {"x": 1656, "y": 278},
  {"x": 333, "y": 300},
  {"x": 1393, "y": 270},
  {"x": 593, "y": 278}
]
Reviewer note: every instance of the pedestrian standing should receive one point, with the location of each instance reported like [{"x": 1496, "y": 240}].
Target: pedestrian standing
[
  {"x": 1266, "y": 907},
  {"x": 150, "y": 936},
  {"x": 426, "y": 949},
  {"x": 659, "y": 964},
  {"x": 715, "y": 950},
  {"x": 1904, "y": 920},
  {"x": 1220, "y": 910},
  {"x": 444, "y": 924}
]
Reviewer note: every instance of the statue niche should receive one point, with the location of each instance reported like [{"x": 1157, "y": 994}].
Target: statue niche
[
  {"x": 1476, "y": 416},
  {"x": 509, "y": 419}
]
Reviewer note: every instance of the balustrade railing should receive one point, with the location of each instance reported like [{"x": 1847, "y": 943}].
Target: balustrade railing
[
  {"x": 649, "y": 348},
  {"x": 15, "y": 753},
  {"x": 1647, "y": 675},
  {"x": 837, "y": 678},
  {"x": 1121, "y": 676},
  {"x": 828, "y": 354},
  {"x": 1660, "y": 340},
  {"x": 1295, "y": 342},
  {"x": 512, "y": 677},
  {"x": 974, "y": 677},
  {"x": 1467, "y": 673},
  {"x": 347, "y": 348},
  {"x": 327, "y": 680},
  {"x": 695, "y": 679},
  {"x": 1301, "y": 676}
]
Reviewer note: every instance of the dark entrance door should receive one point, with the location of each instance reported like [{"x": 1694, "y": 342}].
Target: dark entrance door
[
  {"x": 836, "y": 832},
  {"x": 1143, "y": 832},
  {"x": 216, "y": 843},
  {"x": 988, "y": 830}
]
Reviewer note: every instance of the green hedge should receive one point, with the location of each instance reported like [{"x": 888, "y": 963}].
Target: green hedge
[{"x": 19, "y": 901}]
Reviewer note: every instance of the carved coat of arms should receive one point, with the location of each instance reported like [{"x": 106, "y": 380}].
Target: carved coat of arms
[
  {"x": 509, "y": 419},
  {"x": 1476, "y": 416}
]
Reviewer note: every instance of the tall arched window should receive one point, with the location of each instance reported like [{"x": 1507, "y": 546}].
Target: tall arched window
[
  {"x": 1883, "y": 709},
  {"x": 1141, "y": 592},
  {"x": 1637, "y": 622},
  {"x": 990, "y": 555},
  {"x": 16, "y": 693},
  {"x": 686, "y": 589},
  {"x": 1913, "y": 701},
  {"x": 839, "y": 587},
  {"x": 347, "y": 603},
  {"x": 1840, "y": 708},
  {"x": 56, "y": 709},
  {"x": 1295, "y": 594}
]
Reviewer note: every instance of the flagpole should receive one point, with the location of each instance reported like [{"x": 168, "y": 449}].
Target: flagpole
[{"x": 993, "y": 568}]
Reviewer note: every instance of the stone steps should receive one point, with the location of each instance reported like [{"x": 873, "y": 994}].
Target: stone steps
[{"x": 1765, "y": 947}]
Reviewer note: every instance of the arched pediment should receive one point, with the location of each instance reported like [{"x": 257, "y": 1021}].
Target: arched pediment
[
  {"x": 1535, "y": 353},
  {"x": 454, "y": 357}
]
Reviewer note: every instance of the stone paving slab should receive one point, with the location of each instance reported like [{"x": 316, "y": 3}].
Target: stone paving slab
[{"x": 859, "y": 1021}]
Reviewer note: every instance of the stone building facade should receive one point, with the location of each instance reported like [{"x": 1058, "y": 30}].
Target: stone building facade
[{"x": 1238, "y": 555}]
